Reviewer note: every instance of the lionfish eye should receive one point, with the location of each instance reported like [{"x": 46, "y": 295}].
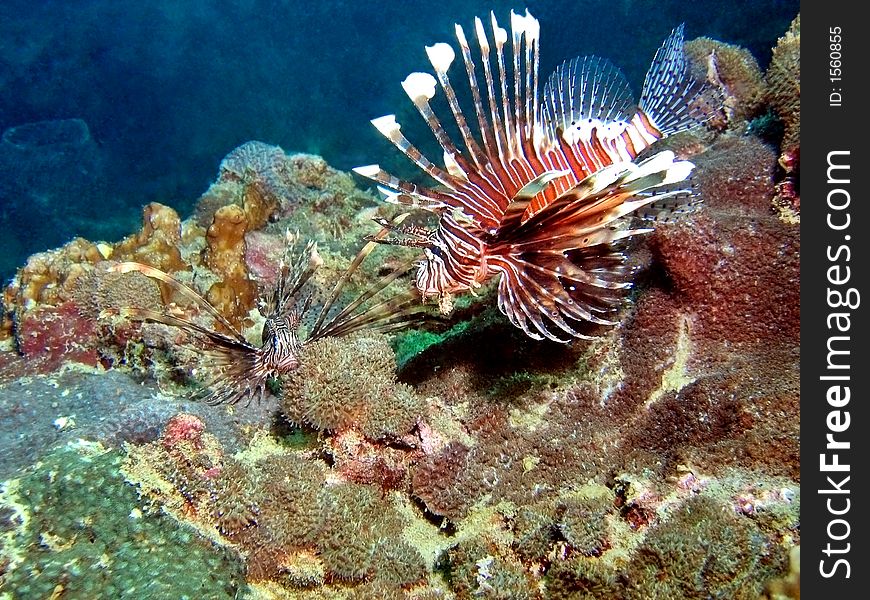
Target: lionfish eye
[{"x": 435, "y": 252}]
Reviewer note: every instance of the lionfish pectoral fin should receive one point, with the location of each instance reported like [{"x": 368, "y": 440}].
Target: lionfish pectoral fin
[
  {"x": 519, "y": 203},
  {"x": 536, "y": 186},
  {"x": 336, "y": 323},
  {"x": 551, "y": 296},
  {"x": 187, "y": 292},
  {"x": 411, "y": 236},
  {"x": 564, "y": 266},
  {"x": 409, "y": 201}
]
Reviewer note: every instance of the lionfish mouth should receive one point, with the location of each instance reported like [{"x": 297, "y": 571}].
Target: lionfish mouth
[{"x": 542, "y": 186}]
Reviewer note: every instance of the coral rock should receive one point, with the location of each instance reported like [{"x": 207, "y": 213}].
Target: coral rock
[
  {"x": 158, "y": 243},
  {"x": 235, "y": 294},
  {"x": 734, "y": 71},
  {"x": 54, "y": 335},
  {"x": 784, "y": 81},
  {"x": 182, "y": 428},
  {"x": 345, "y": 382}
]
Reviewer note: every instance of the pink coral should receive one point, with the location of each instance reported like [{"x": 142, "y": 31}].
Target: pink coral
[
  {"x": 182, "y": 428},
  {"x": 54, "y": 335}
]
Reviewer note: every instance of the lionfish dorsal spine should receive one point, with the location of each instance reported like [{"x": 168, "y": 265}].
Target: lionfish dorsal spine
[{"x": 441, "y": 56}]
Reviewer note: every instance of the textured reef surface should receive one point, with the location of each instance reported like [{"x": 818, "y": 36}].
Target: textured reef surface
[{"x": 657, "y": 461}]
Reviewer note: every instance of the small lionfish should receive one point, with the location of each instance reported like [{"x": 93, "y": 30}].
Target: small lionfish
[
  {"x": 543, "y": 198},
  {"x": 243, "y": 370}
]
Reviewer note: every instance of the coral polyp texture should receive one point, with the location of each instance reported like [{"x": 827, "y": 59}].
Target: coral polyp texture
[
  {"x": 350, "y": 382},
  {"x": 784, "y": 81},
  {"x": 455, "y": 460}
]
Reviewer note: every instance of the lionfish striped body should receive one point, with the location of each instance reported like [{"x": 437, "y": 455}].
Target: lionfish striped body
[{"x": 542, "y": 198}]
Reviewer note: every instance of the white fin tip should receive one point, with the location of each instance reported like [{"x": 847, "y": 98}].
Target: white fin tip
[
  {"x": 441, "y": 56},
  {"x": 387, "y": 125},
  {"x": 419, "y": 86},
  {"x": 679, "y": 172},
  {"x": 388, "y": 194},
  {"x": 368, "y": 170},
  {"x": 500, "y": 35}
]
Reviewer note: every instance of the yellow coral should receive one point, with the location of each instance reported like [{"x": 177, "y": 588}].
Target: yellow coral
[
  {"x": 47, "y": 278},
  {"x": 235, "y": 294},
  {"x": 158, "y": 243}
]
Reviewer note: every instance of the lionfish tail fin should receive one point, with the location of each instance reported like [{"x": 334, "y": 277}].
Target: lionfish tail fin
[
  {"x": 672, "y": 99},
  {"x": 587, "y": 94}
]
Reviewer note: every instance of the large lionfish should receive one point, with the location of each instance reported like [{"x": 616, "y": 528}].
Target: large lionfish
[
  {"x": 239, "y": 370},
  {"x": 544, "y": 197}
]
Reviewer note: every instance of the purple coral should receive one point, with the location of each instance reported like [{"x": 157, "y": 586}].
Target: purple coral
[{"x": 258, "y": 162}]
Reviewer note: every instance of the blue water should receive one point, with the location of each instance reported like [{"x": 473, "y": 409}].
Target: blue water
[{"x": 166, "y": 88}]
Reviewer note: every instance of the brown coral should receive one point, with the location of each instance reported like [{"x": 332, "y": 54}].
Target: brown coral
[
  {"x": 734, "y": 71},
  {"x": 784, "y": 81},
  {"x": 158, "y": 243},
  {"x": 703, "y": 549},
  {"x": 100, "y": 289},
  {"x": 253, "y": 176},
  {"x": 350, "y": 382},
  {"x": 39, "y": 306},
  {"x": 235, "y": 294}
]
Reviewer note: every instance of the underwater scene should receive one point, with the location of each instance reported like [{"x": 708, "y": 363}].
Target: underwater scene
[{"x": 418, "y": 301}]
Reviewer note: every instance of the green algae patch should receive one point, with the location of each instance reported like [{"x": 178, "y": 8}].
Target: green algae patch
[{"x": 76, "y": 530}]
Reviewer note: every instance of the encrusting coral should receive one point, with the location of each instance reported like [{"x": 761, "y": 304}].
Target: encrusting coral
[
  {"x": 278, "y": 507},
  {"x": 234, "y": 294},
  {"x": 784, "y": 84},
  {"x": 734, "y": 71},
  {"x": 350, "y": 382},
  {"x": 73, "y": 529},
  {"x": 269, "y": 184}
]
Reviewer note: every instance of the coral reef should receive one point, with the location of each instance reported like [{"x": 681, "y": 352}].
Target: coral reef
[
  {"x": 350, "y": 382},
  {"x": 269, "y": 184},
  {"x": 234, "y": 295},
  {"x": 158, "y": 243},
  {"x": 659, "y": 460},
  {"x": 293, "y": 525},
  {"x": 703, "y": 549},
  {"x": 735, "y": 72},
  {"x": 74, "y": 529},
  {"x": 784, "y": 84}
]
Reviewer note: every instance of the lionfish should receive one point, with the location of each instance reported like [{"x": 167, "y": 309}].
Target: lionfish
[
  {"x": 544, "y": 196},
  {"x": 240, "y": 370}
]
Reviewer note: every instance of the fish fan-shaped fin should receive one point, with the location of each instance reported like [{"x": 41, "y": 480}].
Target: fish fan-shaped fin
[
  {"x": 299, "y": 264},
  {"x": 565, "y": 265},
  {"x": 232, "y": 364},
  {"x": 586, "y": 89},
  {"x": 671, "y": 98},
  {"x": 670, "y": 202}
]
